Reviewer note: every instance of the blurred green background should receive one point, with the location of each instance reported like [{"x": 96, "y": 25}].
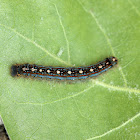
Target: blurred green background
[{"x": 70, "y": 33}]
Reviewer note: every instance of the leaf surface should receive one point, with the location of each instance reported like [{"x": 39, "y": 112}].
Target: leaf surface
[{"x": 70, "y": 33}]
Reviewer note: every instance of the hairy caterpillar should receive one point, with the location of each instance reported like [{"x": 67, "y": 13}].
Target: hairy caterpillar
[{"x": 61, "y": 73}]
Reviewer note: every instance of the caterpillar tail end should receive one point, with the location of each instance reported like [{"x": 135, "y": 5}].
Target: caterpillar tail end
[{"x": 113, "y": 60}]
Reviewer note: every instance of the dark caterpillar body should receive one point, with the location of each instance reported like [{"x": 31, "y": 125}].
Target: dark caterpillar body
[{"x": 61, "y": 73}]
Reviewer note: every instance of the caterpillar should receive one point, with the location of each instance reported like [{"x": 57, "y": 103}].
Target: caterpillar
[{"x": 61, "y": 73}]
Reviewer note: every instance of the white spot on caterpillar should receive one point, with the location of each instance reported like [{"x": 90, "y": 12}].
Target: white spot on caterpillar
[
  {"x": 100, "y": 66},
  {"x": 33, "y": 69},
  {"x": 25, "y": 69},
  {"x": 91, "y": 70},
  {"x": 58, "y": 72},
  {"x": 40, "y": 70},
  {"x": 80, "y": 71},
  {"x": 107, "y": 63},
  {"x": 69, "y": 72},
  {"x": 113, "y": 59},
  {"x": 48, "y": 71}
]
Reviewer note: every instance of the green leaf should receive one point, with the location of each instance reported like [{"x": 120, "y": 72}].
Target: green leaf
[{"x": 70, "y": 33}]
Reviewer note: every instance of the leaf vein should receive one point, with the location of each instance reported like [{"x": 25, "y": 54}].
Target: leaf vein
[
  {"x": 134, "y": 7},
  {"x": 65, "y": 35},
  {"x": 108, "y": 86},
  {"x": 39, "y": 124},
  {"x": 117, "y": 88},
  {"x": 106, "y": 37},
  {"x": 37, "y": 45},
  {"x": 62, "y": 99},
  {"x": 116, "y": 128}
]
